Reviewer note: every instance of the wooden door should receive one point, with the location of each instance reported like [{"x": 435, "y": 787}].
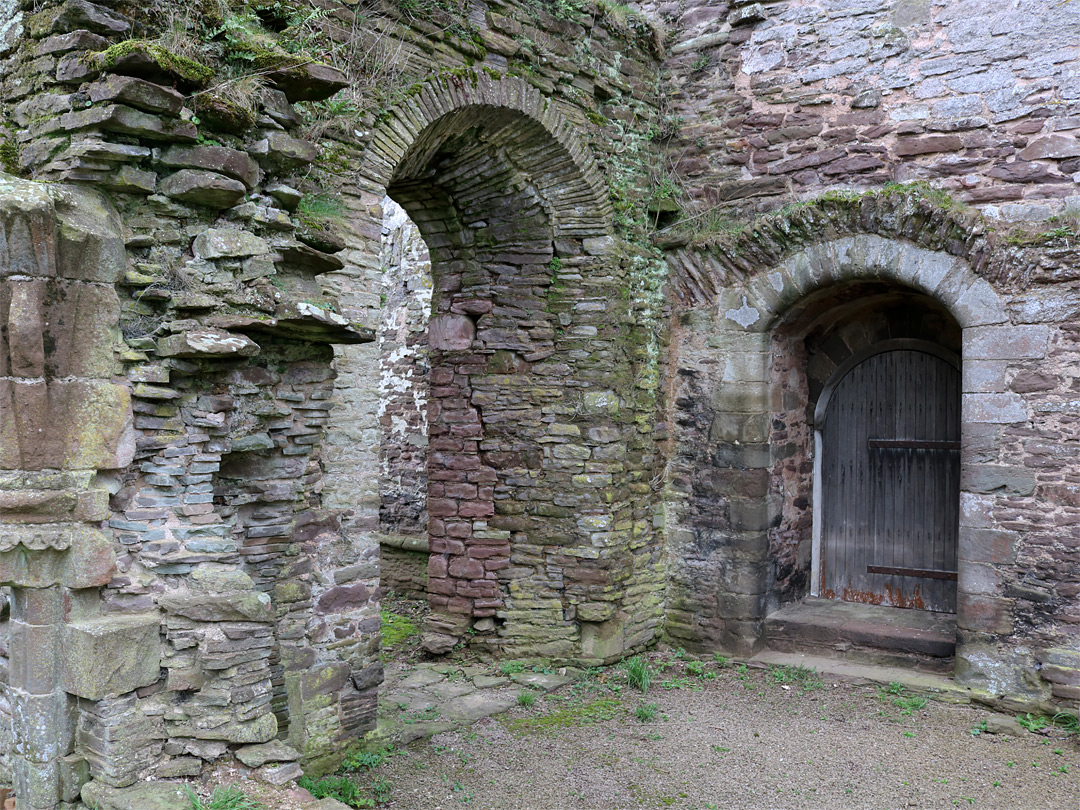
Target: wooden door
[{"x": 890, "y": 473}]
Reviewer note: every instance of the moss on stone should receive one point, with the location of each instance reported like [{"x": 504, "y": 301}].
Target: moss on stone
[
  {"x": 9, "y": 156},
  {"x": 186, "y": 70},
  {"x": 221, "y": 113},
  {"x": 396, "y": 628}
]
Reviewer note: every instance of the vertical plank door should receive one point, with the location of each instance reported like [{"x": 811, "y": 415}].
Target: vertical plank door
[{"x": 890, "y": 472}]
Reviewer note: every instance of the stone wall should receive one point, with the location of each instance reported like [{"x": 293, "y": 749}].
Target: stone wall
[
  {"x": 738, "y": 490},
  {"x": 224, "y": 384},
  {"x": 186, "y": 361},
  {"x": 220, "y": 412},
  {"x": 404, "y": 365},
  {"x": 783, "y": 99},
  {"x": 818, "y": 111}
]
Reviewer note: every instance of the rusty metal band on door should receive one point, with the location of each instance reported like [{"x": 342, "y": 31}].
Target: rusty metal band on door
[{"x": 890, "y": 472}]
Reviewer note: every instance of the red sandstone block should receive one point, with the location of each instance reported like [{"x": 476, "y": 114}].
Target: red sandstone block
[
  {"x": 437, "y": 601},
  {"x": 436, "y": 527},
  {"x": 459, "y": 604},
  {"x": 458, "y": 528},
  {"x": 461, "y": 417},
  {"x": 476, "y": 509},
  {"x": 442, "y": 507},
  {"x": 436, "y": 489},
  {"x": 466, "y": 431},
  {"x": 478, "y": 590},
  {"x": 927, "y": 144},
  {"x": 485, "y": 475},
  {"x": 436, "y": 567},
  {"x": 487, "y": 604},
  {"x": 445, "y": 587},
  {"x": 497, "y": 564},
  {"x": 465, "y": 568},
  {"x": 477, "y": 552},
  {"x": 445, "y": 391},
  {"x": 460, "y": 491},
  {"x": 445, "y": 443},
  {"x": 441, "y": 376},
  {"x": 984, "y": 614},
  {"x": 485, "y": 493},
  {"x": 479, "y": 612},
  {"x": 455, "y": 402},
  {"x": 455, "y": 461},
  {"x": 457, "y": 476},
  {"x": 440, "y": 545}
]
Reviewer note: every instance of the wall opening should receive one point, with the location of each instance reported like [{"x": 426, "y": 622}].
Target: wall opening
[
  {"x": 404, "y": 371},
  {"x": 865, "y": 439},
  {"x": 530, "y": 525}
]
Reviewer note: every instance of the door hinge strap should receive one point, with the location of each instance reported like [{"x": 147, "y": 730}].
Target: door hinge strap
[{"x": 923, "y": 573}]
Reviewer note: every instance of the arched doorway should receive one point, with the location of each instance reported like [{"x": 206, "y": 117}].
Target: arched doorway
[
  {"x": 535, "y": 531},
  {"x": 865, "y": 437},
  {"x": 887, "y": 477}
]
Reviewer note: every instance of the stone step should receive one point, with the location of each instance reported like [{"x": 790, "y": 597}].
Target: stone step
[{"x": 869, "y": 634}]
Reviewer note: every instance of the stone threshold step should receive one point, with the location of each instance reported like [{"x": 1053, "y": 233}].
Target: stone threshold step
[
  {"x": 823, "y": 623},
  {"x": 940, "y": 687}
]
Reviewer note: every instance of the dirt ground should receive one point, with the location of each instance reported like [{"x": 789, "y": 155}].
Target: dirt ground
[{"x": 727, "y": 737}]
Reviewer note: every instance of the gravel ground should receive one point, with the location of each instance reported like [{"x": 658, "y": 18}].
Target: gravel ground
[{"x": 733, "y": 739}]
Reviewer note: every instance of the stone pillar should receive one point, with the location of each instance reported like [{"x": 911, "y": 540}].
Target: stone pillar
[
  {"x": 62, "y": 419},
  {"x": 42, "y": 713}
]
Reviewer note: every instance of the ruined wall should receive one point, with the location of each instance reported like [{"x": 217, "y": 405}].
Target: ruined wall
[
  {"x": 534, "y": 317},
  {"x": 403, "y": 383},
  {"x": 234, "y": 606},
  {"x": 245, "y": 218},
  {"x": 403, "y": 401}
]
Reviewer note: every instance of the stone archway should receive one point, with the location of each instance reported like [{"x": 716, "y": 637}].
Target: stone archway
[
  {"x": 724, "y": 579},
  {"x": 530, "y": 543}
]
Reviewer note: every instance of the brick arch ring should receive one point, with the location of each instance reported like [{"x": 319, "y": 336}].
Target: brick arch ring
[{"x": 543, "y": 144}]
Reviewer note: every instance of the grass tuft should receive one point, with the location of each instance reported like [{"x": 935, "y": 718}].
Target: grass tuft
[
  {"x": 637, "y": 673},
  {"x": 224, "y": 798},
  {"x": 647, "y": 712}
]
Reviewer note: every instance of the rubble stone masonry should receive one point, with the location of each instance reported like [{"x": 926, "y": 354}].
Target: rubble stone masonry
[{"x": 530, "y": 304}]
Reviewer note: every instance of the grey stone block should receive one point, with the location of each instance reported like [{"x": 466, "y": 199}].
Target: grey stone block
[
  {"x": 992, "y": 478},
  {"x": 1027, "y": 342},
  {"x": 994, "y": 408},
  {"x": 111, "y": 655}
]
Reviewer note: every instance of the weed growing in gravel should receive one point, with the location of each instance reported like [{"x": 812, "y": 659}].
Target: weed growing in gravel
[
  {"x": 896, "y": 695},
  {"x": 342, "y": 788},
  {"x": 1033, "y": 722},
  {"x": 646, "y": 712},
  {"x": 1070, "y": 721},
  {"x": 806, "y": 679},
  {"x": 697, "y": 668},
  {"x": 526, "y": 699},
  {"x": 637, "y": 673},
  {"x": 675, "y": 682},
  {"x": 422, "y": 716},
  {"x": 227, "y": 798}
]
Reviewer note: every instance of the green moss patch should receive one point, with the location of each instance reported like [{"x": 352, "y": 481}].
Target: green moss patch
[
  {"x": 585, "y": 714},
  {"x": 139, "y": 57},
  {"x": 396, "y": 628}
]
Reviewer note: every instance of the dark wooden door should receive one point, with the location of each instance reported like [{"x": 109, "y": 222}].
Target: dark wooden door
[{"x": 890, "y": 472}]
